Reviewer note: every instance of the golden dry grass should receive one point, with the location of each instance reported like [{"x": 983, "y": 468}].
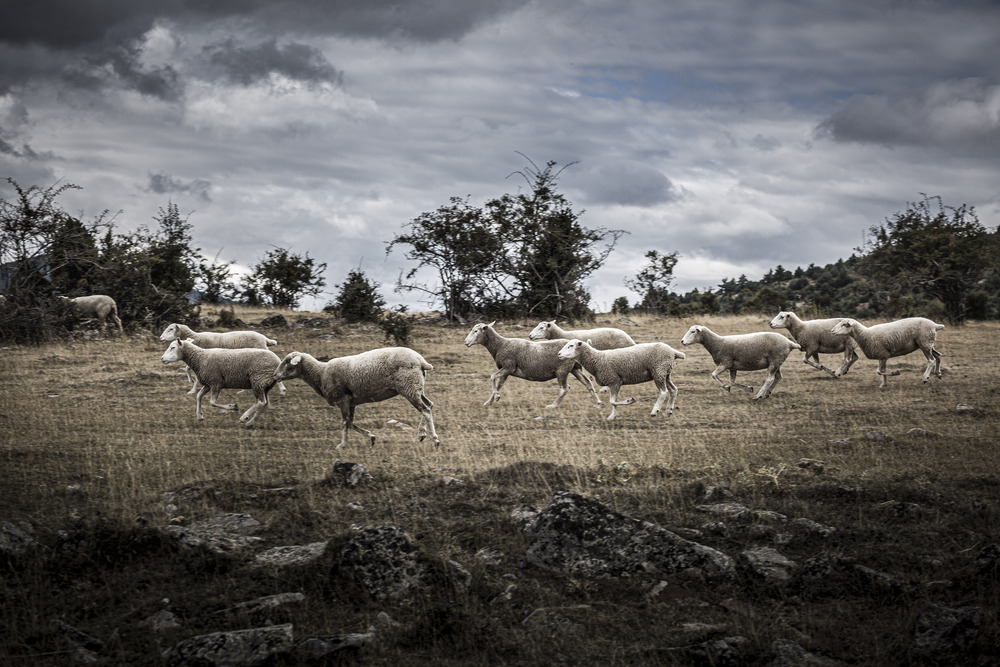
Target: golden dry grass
[{"x": 96, "y": 430}]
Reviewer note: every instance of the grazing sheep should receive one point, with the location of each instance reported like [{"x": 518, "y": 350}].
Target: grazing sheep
[
  {"x": 536, "y": 361},
  {"x": 231, "y": 340},
  {"x": 894, "y": 339},
  {"x": 369, "y": 377},
  {"x": 628, "y": 365},
  {"x": 744, "y": 352},
  {"x": 815, "y": 336},
  {"x": 219, "y": 369},
  {"x": 99, "y": 306},
  {"x": 603, "y": 338}
]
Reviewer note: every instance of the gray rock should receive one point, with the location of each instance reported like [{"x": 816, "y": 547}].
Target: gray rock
[
  {"x": 815, "y": 465},
  {"x": 320, "y": 648},
  {"x": 943, "y": 632},
  {"x": 740, "y": 512},
  {"x": 161, "y": 621},
  {"x": 240, "y": 524},
  {"x": 789, "y": 654},
  {"x": 725, "y": 652},
  {"x": 276, "y": 320},
  {"x": 15, "y": 541},
  {"x": 387, "y": 564},
  {"x": 768, "y": 564},
  {"x": 581, "y": 536},
  {"x": 215, "y": 542},
  {"x": 263, "y": 605},
  {"x": 289, "y": 556},
  {"x": 348, "y": 474},
  {"x": 716, "y": 528},
  {"x": 814, "y": 528},
  {"x": 245, "y": 648}
]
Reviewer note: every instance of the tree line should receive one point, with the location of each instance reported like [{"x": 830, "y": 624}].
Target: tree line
[{"x": 525, "y": 254}]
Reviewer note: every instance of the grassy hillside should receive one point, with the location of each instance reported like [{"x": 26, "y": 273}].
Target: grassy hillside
[{"x": 93, "y": 432}]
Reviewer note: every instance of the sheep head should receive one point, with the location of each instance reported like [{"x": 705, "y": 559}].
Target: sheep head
[
  {"x": 693, "y": 335},
  {"x": 290, "y": 367},
  {"x": 173, "y": 353},
  {"x": 478, "y": 334},
  {"x": 571, "y": 350}
]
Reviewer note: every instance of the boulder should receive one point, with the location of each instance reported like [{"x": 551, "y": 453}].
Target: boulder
[
  {"x": 247, "y": 648},
  {"x": 580, "y": 536},
  {"x": 943, "y": 632}
]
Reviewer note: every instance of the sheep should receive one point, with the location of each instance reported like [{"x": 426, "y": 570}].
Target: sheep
[
  {"x": 894, "y": 339},
  {"x": 219, "y": 368},
  {"x": 629, "y": 365},
  {"x": 231, "y": 340},
  {"x": 603, "y": 338},
  {"x": 99, "y": 306},
  {"x": 537, "y": 361},
  {"x": 744, "y": 352},
  {"x": 369, "y": 377},
  {"x": 815, "y": 336}
]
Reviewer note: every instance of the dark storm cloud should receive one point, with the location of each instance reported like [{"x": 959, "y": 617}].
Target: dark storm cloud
[
  {"x": 959, "y": 115},
  {"x": 625, "y": 184},
  {"x": 247, "y": 65},
  {"x": 165, "y": 184}
]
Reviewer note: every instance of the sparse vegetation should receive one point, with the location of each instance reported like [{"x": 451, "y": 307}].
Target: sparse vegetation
[{"x": 92, "y": 434}]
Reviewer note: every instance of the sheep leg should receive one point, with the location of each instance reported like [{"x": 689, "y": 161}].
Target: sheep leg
[
  {"x": 715, "y": 376},
  {"x": 933, "y": 363},
  {"x": 613, "y": 400},
  {"x": 496, "y": 381},
  {"x": 773, "y": 378},
  {"x": 193, "y": 379},
  {"x": 214, "y": 395},
  {"x": 281, "y": 388},
  {"x": 881, "y": 371},
  {"x": 197, "y": 402},
  {"x": 423, "y": 405},
  {"x": 850, "y": 356},
  {"x": 256, "y": 410},
  {"x": 666, "y": 387},
  {"x": 563, "y": 380},
  {"x": 732, "y": 381},
  {"x": 585, "y": 381},
  {"x": 347, "y": 415},
  {"x": 818, "y": 365}
]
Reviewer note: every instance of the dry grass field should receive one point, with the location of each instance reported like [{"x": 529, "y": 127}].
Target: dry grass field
[{"x": 94, "y": 431}]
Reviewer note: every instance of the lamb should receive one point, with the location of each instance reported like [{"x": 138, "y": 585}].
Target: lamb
[
  {"x": 894, "y": 339},
  {"x": 744, "y": 352},
  {"x": 815, "y": 336},
  {"x": 231, "y": 340},
  {"x": 603, "y": 338},
  {"x": 219, "y": 369},
  {"x": 369, "y": 377},
  {"x": 535, "y": 361},
  {"x": 629, "y": 365},
  {"x": 99, "y": 306}
]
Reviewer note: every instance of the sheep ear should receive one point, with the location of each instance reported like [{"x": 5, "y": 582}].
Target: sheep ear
[
  {"x": 294, "y": 361},
  {"x": 491, "y": 323},
  {"x": 589, "y": 343}
]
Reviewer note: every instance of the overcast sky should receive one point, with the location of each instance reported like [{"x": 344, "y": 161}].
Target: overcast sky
[{"x": 741, "y": 135}]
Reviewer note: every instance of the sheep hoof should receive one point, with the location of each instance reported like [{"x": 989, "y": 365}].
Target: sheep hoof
[
  {"x": 551, "y": 405},
  {"x": 372, "y": 439}
]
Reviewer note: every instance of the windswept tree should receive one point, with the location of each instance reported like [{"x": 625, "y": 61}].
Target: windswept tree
[
  {"x": 214, "y": 284},
  {"x": 358, "y": 299},
  {"x": 548, "y": 253},
  {"x": 934, "y": 251},
  {"x": 652, "y": 282},
  {"x": 460, "y": 246},
  {"x": 282, "y": 279}
]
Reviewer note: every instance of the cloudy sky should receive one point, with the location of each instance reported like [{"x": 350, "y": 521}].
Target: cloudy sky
[{"x": 742, "y": 135}]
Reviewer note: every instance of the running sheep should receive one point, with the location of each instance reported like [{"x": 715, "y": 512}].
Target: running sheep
[
  {"x": 369, "y": 377},
  {"x": 218, "y": 369},
  {"x": 895, "y": 339},
  {"x": 98, "y": 306},
  {"x": 744, "y": 352},
  {"x": 537, "y": 361},
  {"x": 815, "y": 336},
  {"x": 232, "y": 340},
  {"x": 628, "y": 365},
  {"x": 603, "y": 338}
]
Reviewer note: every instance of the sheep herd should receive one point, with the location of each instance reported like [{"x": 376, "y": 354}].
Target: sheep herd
[{"x": 241, "y": 360}]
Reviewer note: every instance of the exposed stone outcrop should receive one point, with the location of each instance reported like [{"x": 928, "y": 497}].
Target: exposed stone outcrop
[
  {"x": 944, "y": 633},
  {"x": 289, "y": 556},
  {"x": 583, "y": 537},
  {"x": 15, "y": 540},
  {"x": 246, "y": 648}
]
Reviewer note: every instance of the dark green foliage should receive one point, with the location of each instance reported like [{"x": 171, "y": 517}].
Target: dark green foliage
[
  {"x": 214, "y": 285},
  {"x": 358, "y": 299},
  {"x": 396, "y": 326},
  {"x": 620, "y": 306},
  {"x": 925, "y": 253},
  {"x": 282, "y": 279},
  {"x": 652, "y": 283}
]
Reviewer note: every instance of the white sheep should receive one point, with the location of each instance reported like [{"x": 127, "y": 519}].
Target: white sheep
[
  {"x": 232, "y": 340},
  {"x": 628, "y": 365},
  {"x": 744, "y": 352},
  {"x": 537, "y": 361},
  {"x": 602, "y": 338},
  {"x": 99, "y": 306},
  {"x": 894, "y": 339},
  {"x": 369, "y": 377},
  {"x": 815, "y": 336},
  {"x": 219, "y": 368}
]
